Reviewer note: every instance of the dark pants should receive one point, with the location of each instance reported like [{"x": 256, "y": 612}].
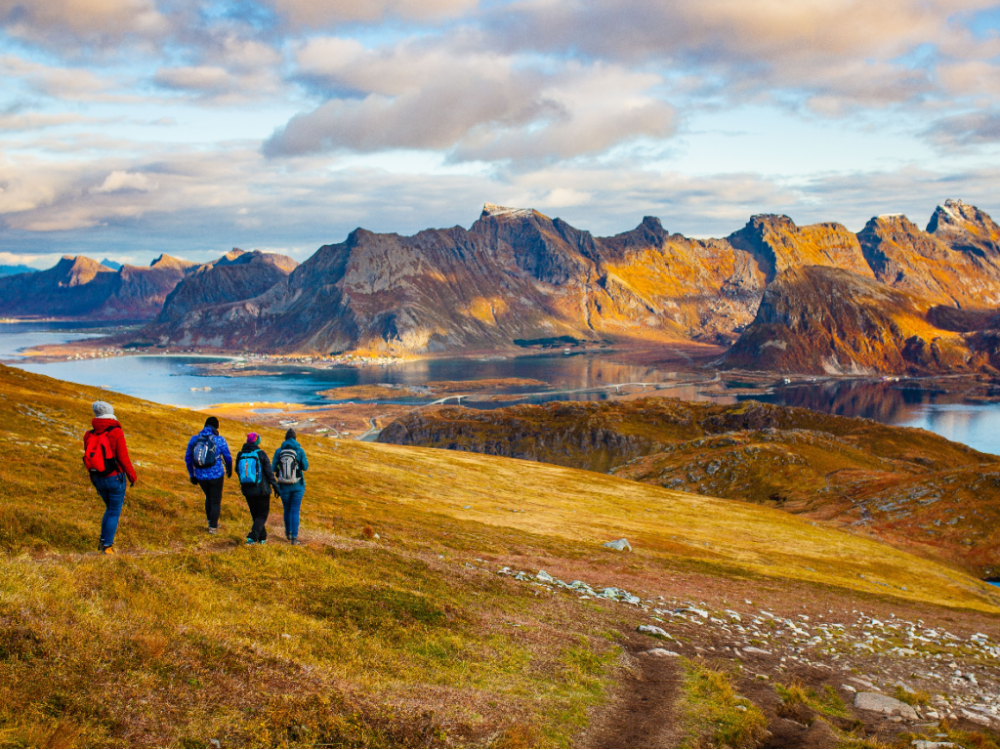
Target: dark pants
[
  {"x": 260, "y": 506},
  {"x": 213, "y": 499},
  {"x": 112, "y": 492}
]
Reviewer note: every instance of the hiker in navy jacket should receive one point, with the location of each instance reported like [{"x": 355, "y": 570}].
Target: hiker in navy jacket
[
  {"x": 287, "y": 459},
  {"x": 210, "y": 477}
]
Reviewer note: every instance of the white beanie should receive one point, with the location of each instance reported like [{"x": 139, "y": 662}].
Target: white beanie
[{"x": 103, "y": 410}]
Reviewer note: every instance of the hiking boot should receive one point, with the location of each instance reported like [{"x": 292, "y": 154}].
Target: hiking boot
[
  {"x": 294, "y": 540},
  {"x": 250, "y": 541},
  {"x": 213, "y": 529},
  {"x": 262, "y": 541},
  {"x": 107, "y": 550}
]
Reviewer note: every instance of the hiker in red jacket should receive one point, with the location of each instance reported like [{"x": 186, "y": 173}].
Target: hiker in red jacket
[{"x": 105, "y": 456}]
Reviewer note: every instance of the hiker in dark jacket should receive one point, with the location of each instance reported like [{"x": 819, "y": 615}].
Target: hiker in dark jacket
[
  {"x": 208, "y": 459},
  {"x": 256, "y": 482},
  {"x": 105, "y": 455},
  {"x": 289, "y": 465}
]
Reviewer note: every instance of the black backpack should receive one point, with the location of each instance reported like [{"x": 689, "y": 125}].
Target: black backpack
[{"x": 204, "y": 452}]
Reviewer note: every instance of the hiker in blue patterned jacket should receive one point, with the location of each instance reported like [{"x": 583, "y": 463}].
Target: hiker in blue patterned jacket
[
  {"x": 208, "y": 459},
  {"x": 289, "y": 465}
]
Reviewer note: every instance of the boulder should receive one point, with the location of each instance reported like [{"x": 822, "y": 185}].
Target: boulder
[
  {"x": 621, "y": 545},
  {"x": 661, "y": 652},
  {"x": 655, "y": 632},
  {"x": 883, "y": 704}
]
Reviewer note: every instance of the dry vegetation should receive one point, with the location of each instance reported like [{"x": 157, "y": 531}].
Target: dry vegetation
[
  {"x": 908, "y": 487},
  {"x": 408, "y": 639}
]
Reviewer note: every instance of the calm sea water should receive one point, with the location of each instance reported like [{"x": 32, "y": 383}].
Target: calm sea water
[
  {"x": 17, "y": 336},
  {"x": 174, "y": 380}
]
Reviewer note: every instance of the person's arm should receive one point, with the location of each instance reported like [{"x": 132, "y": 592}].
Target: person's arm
[
  {"x": 189, "y": 458},
  {"x": 303, "y": 460},
  {"x": 226, "y": 455},
  {"x": 122, "y": 457},
  {"x": 265, "y": 464}
]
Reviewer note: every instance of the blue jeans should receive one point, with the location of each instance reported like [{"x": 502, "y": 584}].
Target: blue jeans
[
  {"x": 291, "y": 499},
  {"x": 112, "y": 492}
]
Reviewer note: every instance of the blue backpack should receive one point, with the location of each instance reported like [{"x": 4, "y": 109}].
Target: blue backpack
[
  {"x": 204, "y": 452},
  {"x": 249, "y": 470}
]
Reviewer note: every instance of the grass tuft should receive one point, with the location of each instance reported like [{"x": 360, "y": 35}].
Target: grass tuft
[{"x": 714, "y": 715}]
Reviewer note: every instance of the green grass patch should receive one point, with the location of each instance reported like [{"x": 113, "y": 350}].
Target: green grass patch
[
  {"x": 825, "y": 701},
  {"x": 712, "y": 713}
]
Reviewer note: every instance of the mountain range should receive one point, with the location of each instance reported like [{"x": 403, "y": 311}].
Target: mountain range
[
  {"x": 819, "y": 298},
  {"x": 81, "y": 288},
  {"x": 891, "y": 298},
  {"x": 13, "y": 270}
]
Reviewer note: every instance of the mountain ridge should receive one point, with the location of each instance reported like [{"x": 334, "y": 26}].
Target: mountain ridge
[
  {"x": 927, "y": 300},
  {"x": 517, "y": 275}
]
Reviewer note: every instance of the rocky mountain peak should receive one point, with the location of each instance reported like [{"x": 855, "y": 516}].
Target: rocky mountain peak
[
  {"x": 965, "y": 227},
  {"x": 80, "y": 269},
  {"x": 169, "y": 261},
  {"x": 492, "y": 209}
]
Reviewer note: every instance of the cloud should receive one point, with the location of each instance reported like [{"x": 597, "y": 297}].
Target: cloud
[
  {"x": 91, "y": 23},
  {"x": 120, "y": 181},
  {"x": 313, "y": 13},
  {"x": 844, "y": 53},
  {"x": 476, "y": 106},
  {"x": 231, "y": 69},
  {"x": 28, "y": 259},
  {"x": 202, "y": 78},
  {"x": 965, "y": 130},
  {"x": 35, "y": 121}
]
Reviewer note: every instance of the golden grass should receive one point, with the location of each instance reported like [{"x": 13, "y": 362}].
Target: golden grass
[{"x": 184, "y": 637}]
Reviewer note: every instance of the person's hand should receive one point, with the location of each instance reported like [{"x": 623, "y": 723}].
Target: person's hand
[
  {"x": 229, "y": 473},
  {"x": 131, "y": 482},
  {"x": 194, "y": 481}
]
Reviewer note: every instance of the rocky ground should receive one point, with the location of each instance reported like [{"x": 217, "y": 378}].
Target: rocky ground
[{"x": 824, "y": 676}]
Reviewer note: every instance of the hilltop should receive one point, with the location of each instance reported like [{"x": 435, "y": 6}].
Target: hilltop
[
  {"x": 909, "y": 487},
  {"x": 417, "y": 613}
]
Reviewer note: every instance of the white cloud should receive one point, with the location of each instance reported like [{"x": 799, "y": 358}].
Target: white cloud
[
  {"x": 328, "y": 12},
  {"x": 100, "y": 23},
  {"x": 27, "y": 259},
  {"x": 477, "y": 106},
  {"x": 120, "y": 181}
]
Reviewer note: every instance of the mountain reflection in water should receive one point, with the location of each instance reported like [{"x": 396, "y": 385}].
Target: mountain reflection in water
[
  {"x": 176, "y": 381},
  {"x": 949, "y": 415}
]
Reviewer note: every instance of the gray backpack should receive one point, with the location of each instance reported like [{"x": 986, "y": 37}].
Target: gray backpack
[{"x": 289, "y": 471}]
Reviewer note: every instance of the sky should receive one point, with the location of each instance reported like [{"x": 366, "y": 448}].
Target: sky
[{"x": 131, "y": 128}]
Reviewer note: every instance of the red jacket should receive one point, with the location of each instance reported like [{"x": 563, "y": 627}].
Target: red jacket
[{"x": 116, "y": 439}]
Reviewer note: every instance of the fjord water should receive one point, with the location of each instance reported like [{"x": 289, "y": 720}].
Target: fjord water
[
  {"x": 17, "y": 336},
  {"x": 174, "y": 379}
]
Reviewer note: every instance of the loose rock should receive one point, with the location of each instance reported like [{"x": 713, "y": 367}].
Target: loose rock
[
  {"x": 885, "y": 705},
  {"x": 621, "y": 545}
]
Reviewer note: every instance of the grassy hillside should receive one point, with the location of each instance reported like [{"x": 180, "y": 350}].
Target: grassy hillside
[
  {"x": 408, "y": 639},
  {"x": 910, "y": 487}
]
